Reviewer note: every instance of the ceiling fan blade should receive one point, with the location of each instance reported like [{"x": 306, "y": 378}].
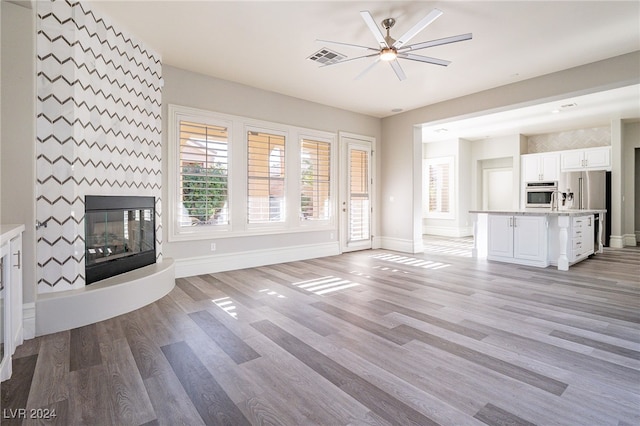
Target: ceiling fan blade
[
  {"x": 356, "y": 46},
  {"x": 368, "y": 19},
  {"x": 367, "y": 69},
  {"x": 426, "y": 59},
  {"x": 438, "y": 42},
  {"x": 397, "y": 69},
  {"x": 350, "y": 59},
  {"x": 431, "y": 16}
]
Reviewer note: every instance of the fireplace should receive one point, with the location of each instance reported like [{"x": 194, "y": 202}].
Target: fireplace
[{"x": 119, "y": 235}]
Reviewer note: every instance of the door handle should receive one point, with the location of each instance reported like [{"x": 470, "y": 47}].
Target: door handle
[{"x": 18, "y": 265}]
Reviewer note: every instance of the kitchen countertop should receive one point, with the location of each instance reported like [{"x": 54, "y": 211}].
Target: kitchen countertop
[
  {"x": 541, "y": 212},
  {"x": 10, "y": 231}
]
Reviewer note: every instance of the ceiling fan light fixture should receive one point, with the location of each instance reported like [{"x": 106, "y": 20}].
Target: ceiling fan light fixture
[{"x": 388, "y": 54}]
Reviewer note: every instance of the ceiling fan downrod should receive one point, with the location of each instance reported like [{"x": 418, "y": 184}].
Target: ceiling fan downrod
[
  {"x": 388, "y": 53},
  {"x": 387, "y": 24}
]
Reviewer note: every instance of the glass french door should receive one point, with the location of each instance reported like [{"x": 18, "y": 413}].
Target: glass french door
[{"x": 356, "y": 203}]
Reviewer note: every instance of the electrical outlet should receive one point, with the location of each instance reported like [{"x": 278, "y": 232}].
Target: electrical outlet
[
  {"x": 331, "y": 236},
  {"x": 213, "y": 246}
]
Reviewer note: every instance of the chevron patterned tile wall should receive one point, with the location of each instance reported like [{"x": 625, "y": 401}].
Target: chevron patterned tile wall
[
  {"x": 98, "y": 130},
  {"x": 571, "y": 139}
]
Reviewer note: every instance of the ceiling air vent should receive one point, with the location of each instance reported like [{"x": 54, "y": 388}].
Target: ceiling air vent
[{"x": 326, "y": 57}]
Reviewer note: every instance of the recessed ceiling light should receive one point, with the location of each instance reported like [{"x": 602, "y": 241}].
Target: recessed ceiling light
[
  {"x": 442, "y": 130},
  {"x": 571, "y": 105},
  {"x": 555, "y": 111},
  {"x": 397, "y": 110}
]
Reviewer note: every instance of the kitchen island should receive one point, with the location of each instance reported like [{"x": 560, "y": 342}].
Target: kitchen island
[{"x": 537, "y": 237}]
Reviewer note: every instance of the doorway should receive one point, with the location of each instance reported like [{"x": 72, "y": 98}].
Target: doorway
[{"x": 356, "y": 204}]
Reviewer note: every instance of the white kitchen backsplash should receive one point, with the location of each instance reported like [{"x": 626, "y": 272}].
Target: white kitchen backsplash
[
  {"x": 98, "y": 130},
  {"x": 570, "y": 139}
]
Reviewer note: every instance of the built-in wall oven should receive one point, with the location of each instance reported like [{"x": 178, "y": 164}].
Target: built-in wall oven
[{"x": 540, "y": 194}]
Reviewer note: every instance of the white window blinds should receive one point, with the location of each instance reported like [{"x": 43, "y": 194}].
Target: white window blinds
[
  {"x": 203, "y": 189},
  {"x": 315, "y": 189},
  {"x": 438, "y": 187},
  {"x": 265, "y": 177}
]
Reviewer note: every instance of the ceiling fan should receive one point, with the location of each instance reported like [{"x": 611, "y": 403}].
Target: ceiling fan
[{"x": 390, "y": 50}]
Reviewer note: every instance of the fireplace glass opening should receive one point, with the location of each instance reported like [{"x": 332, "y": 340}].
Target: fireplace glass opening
[{"x": 119, "y": 235}]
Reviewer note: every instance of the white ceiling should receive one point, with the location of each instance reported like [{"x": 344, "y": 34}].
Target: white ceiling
[{"x": 265, "y": 44}]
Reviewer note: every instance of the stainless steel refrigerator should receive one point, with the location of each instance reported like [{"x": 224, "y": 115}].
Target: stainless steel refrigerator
[{"x": 588, "y": 190}]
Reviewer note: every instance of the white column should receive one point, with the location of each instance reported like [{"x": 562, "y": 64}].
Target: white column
[{"x": 563, "y": 240}]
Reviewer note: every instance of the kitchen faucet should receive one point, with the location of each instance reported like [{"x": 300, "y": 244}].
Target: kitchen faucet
[{"x": 555, "y": 202}]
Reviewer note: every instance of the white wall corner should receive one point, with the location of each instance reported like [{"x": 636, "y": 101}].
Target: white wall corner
[
  {"x": 29, "y": 320},
  {"x": 377, "y": 242}
]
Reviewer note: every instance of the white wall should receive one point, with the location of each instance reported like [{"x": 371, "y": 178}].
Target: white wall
[
  {"x": 17, "y": 193},
  {"x": 399, "y": 141},
  {"x": 630, "y": 142},
  {"x": 203, "y": 92}
]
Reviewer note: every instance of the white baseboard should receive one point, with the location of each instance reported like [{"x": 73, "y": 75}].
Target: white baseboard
[
  {"x": 620, "y": 241},
  {"x": 629, "y": 240},
  {"x": 445, "y": 231},
  {"x": 29, "y": 320},
  {"x": 616, "y": 241},
  {"x": 401, "y": 245},
  {"x": 249, "y": 259}
]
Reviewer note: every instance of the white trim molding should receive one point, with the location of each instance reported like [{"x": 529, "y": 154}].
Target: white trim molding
[
  {"x": 629, "y": 240},
  {"x": 29, "y": 320},
  {"x": 447, "y": 231},
  {"x": 250, "y": 259},
  {"x": 401, "y": 245},
  {"x": 616, "y": 241}
]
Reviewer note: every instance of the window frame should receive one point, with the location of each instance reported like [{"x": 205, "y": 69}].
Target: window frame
[
  {"x": 426, "y": 164},
  {"x": 176, "y": 116},
  {"x": 237, "y": 177}
]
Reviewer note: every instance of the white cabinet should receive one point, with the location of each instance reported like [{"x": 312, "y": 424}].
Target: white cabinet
[
  {"x": 582, "y": 237},
  {"x": 586, "y": 159},
  {"x": 517, "y": 239},
  {"x": 541, "y": 167},
  {"x": 10, "y": 294}
]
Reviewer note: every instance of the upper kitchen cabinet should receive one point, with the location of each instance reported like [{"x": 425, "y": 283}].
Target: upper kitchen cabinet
[
  {"x": 586, "y": 159},
  {"x": 541, "y": 167}
]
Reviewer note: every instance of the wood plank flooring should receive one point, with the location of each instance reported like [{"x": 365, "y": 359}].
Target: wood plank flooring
[{"x": 372, "y": 337}]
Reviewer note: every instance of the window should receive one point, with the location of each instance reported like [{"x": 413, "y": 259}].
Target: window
[
  {"x": 203, "y": 198},
  {"x": 438, "y": 188},
  {"x": 315, "y": 185},
  {"x": 265, "y": 177},
  {"x": 359, "y": 197},
  {"x": 232, "y": 176}
]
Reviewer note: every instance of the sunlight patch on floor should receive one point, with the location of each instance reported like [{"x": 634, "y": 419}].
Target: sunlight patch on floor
[
  {"x": 410, "y": 261},
  {"x": 270, "y": 292},
  {"x": 325, "y": 285},
  {"x": 227, "y": 305},
  {"x": 460, "y": 247}
]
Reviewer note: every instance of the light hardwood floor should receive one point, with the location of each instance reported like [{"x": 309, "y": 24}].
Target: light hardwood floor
[{"x": 371, "y": 337}]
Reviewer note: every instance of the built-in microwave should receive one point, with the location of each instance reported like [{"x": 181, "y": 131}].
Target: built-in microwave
[{"x": 540, "y": 194}]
